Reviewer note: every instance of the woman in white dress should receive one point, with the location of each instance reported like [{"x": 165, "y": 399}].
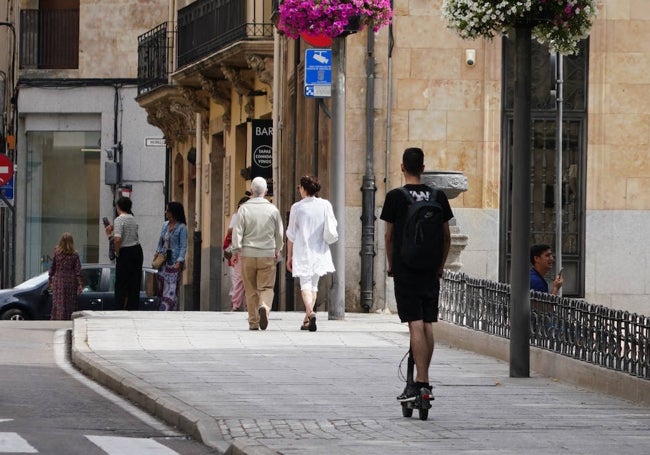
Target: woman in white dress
[{"x": 308, "y": 255}]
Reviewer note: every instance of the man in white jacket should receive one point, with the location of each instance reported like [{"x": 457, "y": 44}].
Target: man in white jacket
[{"x": 258, "y": 236}]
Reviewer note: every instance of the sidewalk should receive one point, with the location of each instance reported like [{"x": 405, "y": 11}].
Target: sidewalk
[{"x": 333, "y": 391}]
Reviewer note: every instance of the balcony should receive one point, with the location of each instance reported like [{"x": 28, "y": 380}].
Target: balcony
[
  {"x": 207, "y": 26},
  {"x": 49, "y": 39},
  {"x": 155, "y": 57}
]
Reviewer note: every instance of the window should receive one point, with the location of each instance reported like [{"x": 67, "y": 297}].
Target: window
[
  {"x": 49, "y": 36},
  {"x": 62, "y": 194}
]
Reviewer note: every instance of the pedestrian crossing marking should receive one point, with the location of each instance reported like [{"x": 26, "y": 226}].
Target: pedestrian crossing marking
[
  {"x": 13, "y": 443},
  {"x": 116, "y": 445}
]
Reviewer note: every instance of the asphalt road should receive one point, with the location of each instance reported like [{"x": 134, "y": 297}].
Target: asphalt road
[{"x": 48, "y": 407}]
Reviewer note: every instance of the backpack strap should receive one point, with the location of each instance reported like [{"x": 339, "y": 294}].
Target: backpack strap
[{"x": 408, "y": 195}]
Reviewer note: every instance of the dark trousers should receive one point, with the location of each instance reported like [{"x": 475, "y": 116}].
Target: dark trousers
[{"x": 128, "y": 277}]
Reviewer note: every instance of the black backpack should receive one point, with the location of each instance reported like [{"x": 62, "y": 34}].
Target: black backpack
[{"x": 422, "y": 239}]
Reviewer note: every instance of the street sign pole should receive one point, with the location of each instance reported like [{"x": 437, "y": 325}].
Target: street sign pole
[{"x": 336, "y": 308}]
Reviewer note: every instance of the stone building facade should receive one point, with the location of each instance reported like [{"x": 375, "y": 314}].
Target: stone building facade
[
  {"x": 418, "y": 91},
  {"x": 81, "y": 139},
  {"x": 206, "y": 80}
]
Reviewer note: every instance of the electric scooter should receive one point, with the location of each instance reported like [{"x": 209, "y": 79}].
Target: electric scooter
[{"x": 422, "y": 401}]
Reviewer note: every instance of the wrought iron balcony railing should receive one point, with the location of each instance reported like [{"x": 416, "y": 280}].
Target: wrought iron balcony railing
[
  {"x": 207, "y": 26},
  {"x": 155, "y": 57}
]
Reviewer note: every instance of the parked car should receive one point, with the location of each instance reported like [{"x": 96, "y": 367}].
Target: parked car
[{"x": 32, "y": 299}]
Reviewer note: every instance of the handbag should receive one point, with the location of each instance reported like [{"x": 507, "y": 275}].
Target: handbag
[
  {"x": 159, "y": 260},
  {"x": 227, "y": 246},
  {"x": 330, "y": 234}
]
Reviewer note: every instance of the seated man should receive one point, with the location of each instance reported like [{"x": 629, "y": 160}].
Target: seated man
[
  {"x": 90, "y": 280},
  {"x": 542, "y": 260}
]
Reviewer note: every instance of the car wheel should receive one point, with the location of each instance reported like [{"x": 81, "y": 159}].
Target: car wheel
[{"x": 14, "y": 314}]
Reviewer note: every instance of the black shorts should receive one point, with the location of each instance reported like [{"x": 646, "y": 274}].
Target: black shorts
[{"x": 417, "y": 297}]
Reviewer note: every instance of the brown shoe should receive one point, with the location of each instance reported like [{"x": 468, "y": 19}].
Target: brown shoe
[
  {"x": 253, "y": 328},
  {"x": 264, "y": 317}
]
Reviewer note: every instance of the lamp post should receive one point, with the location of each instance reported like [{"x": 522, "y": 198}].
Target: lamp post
[{"x": 519, "y": 279}]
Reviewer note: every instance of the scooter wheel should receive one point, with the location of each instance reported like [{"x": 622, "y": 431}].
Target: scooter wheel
[
  {"x": 406, "y": 411},
  {"x": 424, "y": 414}
]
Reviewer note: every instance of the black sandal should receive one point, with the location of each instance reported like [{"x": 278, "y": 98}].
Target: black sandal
[{"x": 312, "y": 322}]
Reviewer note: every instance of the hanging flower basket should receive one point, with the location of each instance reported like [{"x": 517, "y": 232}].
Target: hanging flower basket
[
  {"x": 561, "y": 24},
  {"x": 331, "y": 18}
]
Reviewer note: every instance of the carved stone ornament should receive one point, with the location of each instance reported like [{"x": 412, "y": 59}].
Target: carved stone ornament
[
  {"x": 160, "y": 116},
  {"x": 234, "y": 76},
  {"x": 185, "y": 116},
  {"x": 263, "y": 66},
  {"x": 241, "y": 86},
  {"x": 196, "y": 103},
  {"x": 452, "y": 183},
  {"x": 219, "y": 91}
]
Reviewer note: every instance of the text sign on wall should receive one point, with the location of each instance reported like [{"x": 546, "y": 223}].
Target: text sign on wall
[
  {"x": 262, "y": 151},
  {"x": 154, "y": 142}
]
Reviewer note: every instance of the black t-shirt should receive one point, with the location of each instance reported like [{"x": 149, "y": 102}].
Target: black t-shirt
[{"x": 396, "y": 208}]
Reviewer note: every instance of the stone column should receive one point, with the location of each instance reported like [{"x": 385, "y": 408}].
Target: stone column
[{"x": 452, "y": 183}]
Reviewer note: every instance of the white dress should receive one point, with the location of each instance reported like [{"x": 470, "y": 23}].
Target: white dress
[{"x": 311, "y": 254}]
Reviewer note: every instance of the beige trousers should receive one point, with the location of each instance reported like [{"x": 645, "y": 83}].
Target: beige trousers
[{"x": 259, "y": 278}]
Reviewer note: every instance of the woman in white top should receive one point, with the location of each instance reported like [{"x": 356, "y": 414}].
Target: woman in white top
[
  {"x": 308, "y": 255},
  {"x": 128, "y": 256}
]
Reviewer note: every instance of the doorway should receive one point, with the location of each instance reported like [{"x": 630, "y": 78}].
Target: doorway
[{"x": 543, "y": 205}]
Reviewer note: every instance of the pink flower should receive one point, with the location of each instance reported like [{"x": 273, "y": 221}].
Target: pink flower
[{"x": 330, "y": 17}]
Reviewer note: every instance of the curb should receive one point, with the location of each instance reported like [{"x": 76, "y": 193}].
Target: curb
[{"x": 174, "y": 412}]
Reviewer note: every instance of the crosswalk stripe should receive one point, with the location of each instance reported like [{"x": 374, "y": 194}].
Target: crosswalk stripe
[
  {"x": 13, "y": 443},
  {"x": 115, "y": 445}
]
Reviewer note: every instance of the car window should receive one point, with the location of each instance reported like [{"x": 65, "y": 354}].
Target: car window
[
  {"x": 111, "y": 280},
  {"x": 33, "y": 281},
  {"x": 91, "y": 279}
]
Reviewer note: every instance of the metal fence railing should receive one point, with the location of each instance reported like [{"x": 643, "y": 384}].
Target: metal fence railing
[{"x": 614, "y": 339}]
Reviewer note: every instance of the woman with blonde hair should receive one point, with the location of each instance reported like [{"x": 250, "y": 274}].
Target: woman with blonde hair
[{"x": 65, "y": 279}]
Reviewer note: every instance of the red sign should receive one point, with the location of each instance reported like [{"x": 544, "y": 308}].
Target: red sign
[
  {"x": 317, "y": 40},
  {"x": 6, "y": 169}
]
